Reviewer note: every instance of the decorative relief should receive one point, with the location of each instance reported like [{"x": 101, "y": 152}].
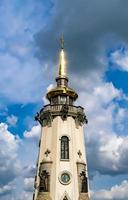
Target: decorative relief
[
  {"x": 44, "y": 196},
  {"x": 84, "y": 196},
  {"x": 47, "y": 152},
  {"x": 84, "y": 182},
  {"x": 81, "y": 119},
  {"x": 45, "y": 118},
  {"x": 48, "y": 113},
  {"x": 79, "y": 154},
  {"x": 64, "y": 112},
  {"x": 44, "y": 181},
  {"x": 44, "y": 178}
]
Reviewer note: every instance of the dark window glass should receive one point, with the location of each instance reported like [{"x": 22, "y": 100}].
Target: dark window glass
[{"x": 64, "y": 147}]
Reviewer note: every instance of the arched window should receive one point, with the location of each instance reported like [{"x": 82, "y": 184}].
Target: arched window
[{"x": 64, "y": 147}]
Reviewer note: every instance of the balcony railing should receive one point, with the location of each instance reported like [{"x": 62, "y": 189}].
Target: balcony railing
[{"x": 58, "y": 108}]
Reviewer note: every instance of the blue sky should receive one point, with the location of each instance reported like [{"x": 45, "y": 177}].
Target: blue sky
[{"x": 97, "y": 52}]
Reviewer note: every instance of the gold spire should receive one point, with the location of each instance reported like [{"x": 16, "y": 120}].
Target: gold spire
[
  {"x": 62, "y": 78},
  {"x": 62, "y": 61}
]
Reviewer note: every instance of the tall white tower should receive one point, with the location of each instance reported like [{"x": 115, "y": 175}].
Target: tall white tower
[{"x": 61, "y": 165}]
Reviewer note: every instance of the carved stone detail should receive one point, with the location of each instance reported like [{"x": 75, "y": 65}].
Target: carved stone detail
[
  {"x": 47, "y": 152},
  {"x": 44, "y": 196},
  {"x": 44, "y": 181},
  {"x": 49, "y": 112},
  {"x": 45, "y": 118},
  {"x": 81, "y": 119},
  {"x": 79, "y": 154},
  {"x": 64, "y": 112},
  {"x": 84, "y": 182},
  {"x": 84, "y": 196}
]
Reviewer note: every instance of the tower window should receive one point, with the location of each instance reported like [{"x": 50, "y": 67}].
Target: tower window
[
  {"x": 62, "y": 100},
  {"x": 64, "y": 147}
]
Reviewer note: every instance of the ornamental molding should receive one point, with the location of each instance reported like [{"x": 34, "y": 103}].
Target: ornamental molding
[
  {"x": 45, "y": 118},
  {"x": 81, "y": 119},
  {"x": 64, "y": 112},
  {"x": 83, "y": 197},
  {"x": 44, "y": 196},
  {"x": 49, "y": 112}
]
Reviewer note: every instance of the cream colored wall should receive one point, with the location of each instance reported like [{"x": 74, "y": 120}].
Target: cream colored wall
[{"x": 50, "y": 139}]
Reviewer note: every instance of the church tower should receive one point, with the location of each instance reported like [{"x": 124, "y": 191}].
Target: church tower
[{"x": 61, "y": 164}]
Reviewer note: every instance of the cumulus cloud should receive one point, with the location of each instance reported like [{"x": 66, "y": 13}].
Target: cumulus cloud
[
  {"x": 120, "y": 59},
  {"x": 18, "y": 67},
  {"x": 6, "y": 189},
  {"x": 17, "y": 172},
  {"x": 13, "y": 82},
  {"x": 12, "y": 120},
  {"x": 45, "y": 100},
  {"x": 104, "y": 115},
  {"x": 9, "y": 164},
  {"x": 117, "y": 192},
  {"x": 28, "y": 184},
  {"x": 29, "y": 171},
  {"x": 33, "y": 133}
]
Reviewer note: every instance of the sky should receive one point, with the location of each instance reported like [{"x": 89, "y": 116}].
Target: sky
[{"x": 96, "y": 45}]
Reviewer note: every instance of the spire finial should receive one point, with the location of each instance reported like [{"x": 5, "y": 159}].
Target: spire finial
[{"x": 62, "y": 62}]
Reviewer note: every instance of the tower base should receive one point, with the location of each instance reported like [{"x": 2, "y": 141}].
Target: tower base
[{"x": 44, "y": 196}]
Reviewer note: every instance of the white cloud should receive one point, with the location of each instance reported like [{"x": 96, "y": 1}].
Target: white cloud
[
  {"x": 120, "y": 58},
  {"x": 22, "y": 81},
  {"x": 9, "y": 140},
  {"x": 9, "y": 163},
  {"x": 117, "y": 192},
  {"x": 45, "y": 100},
  {"x": 6, "y": 188},
  {"x": 29, "y": 184},
  {"x": 17, "y": 157},
  {"x": 29, "y": 170},
  {"x": 12, "y": 120},
  {"x": 21, "y": 75},
  {"x": 33, "y": 133},
  {"x": 106, "y": 93},
  {"x": 105, "y": 114},
  {"x": 25, "y": 195}
]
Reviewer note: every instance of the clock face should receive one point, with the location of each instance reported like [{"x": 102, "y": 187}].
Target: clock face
[{"x": 65, "y": 177}]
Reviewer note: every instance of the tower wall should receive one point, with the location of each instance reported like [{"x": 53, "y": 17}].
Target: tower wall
[{"x": 51, "y": 140}]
